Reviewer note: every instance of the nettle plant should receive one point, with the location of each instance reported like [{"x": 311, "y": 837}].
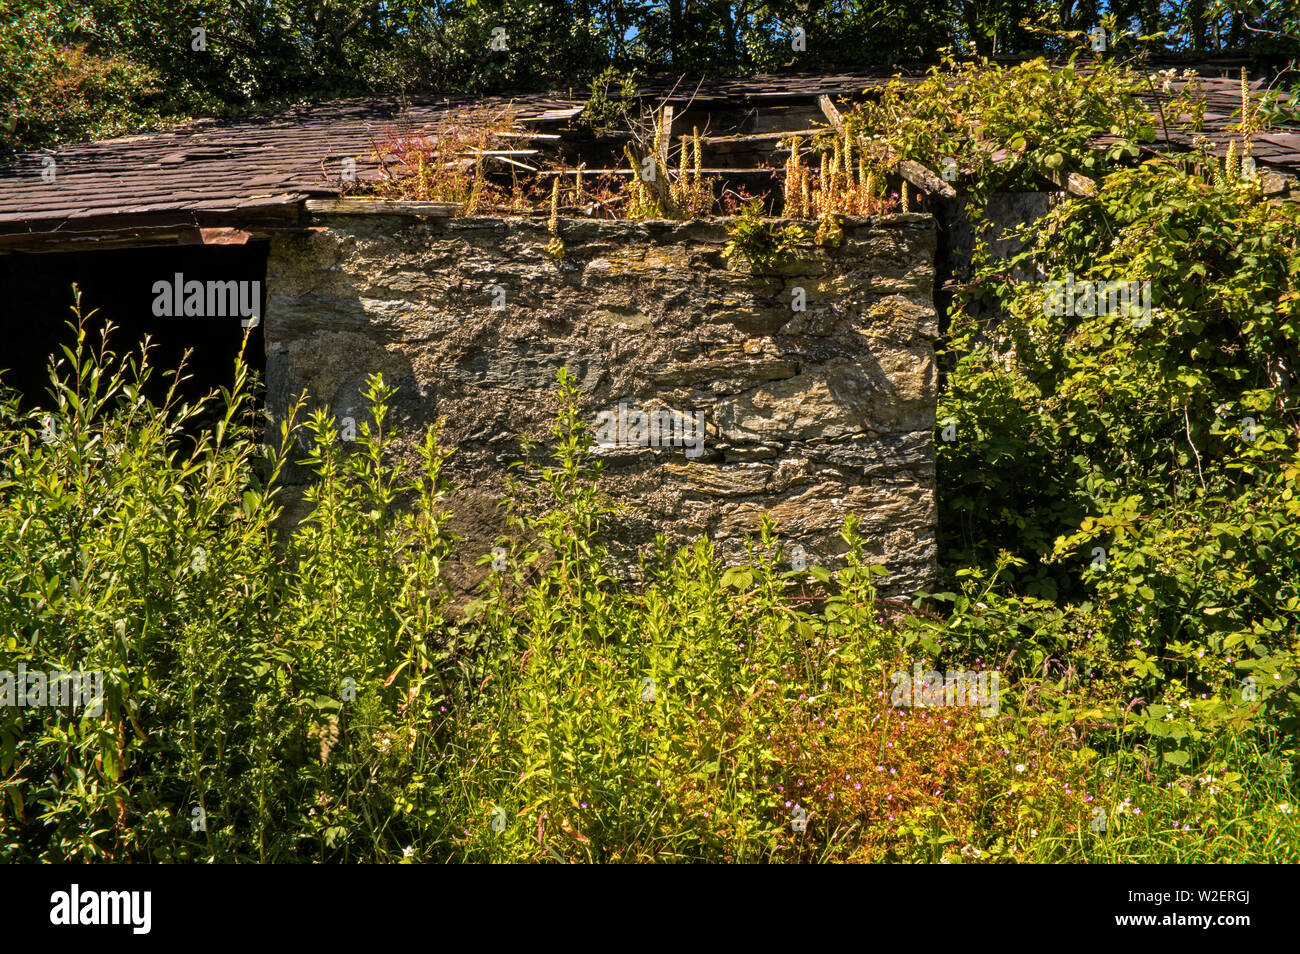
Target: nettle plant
[{"x": 264, "y": 698}]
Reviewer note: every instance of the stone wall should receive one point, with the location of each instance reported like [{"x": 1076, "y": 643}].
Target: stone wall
[{"x": 810, "y": 414}]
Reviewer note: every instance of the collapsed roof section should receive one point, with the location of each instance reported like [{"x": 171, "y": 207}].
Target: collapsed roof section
[{"x": 226, "y": 181}]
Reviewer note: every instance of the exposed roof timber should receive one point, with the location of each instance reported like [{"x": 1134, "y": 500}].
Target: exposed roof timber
[
  {"x": 363, "y": 206},
  {"x": 777, "y": 137},
  {"x": 141, "y": 236},
  {"x": 1074, "y": 183},
  {"x": 925, "y": 180},
  {"x": 830, "y": 111}
]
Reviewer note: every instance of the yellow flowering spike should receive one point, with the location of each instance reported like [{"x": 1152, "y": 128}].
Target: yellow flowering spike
[
  {"x": 1246, "y": 118},
  {"x": 787, "y": 193}
]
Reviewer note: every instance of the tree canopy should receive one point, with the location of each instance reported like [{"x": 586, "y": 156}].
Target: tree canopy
[{"x": 69, "y": 68}]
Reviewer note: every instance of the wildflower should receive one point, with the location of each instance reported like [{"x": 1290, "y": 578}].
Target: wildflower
[
  {"x": 1285, "y": 808},
  {"x": 1020, "y": 767},
  {"x": 408, "y": 852}
]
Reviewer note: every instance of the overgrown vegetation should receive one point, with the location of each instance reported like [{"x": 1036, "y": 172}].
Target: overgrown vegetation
[
  {"x": 1004, "y": 128},
  {"x": 324, "y": 701}
]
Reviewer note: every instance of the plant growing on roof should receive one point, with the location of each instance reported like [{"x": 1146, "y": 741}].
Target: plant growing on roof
[
  {"x": 1007, "y": 127},
  {"x": 690, "y": 192},
  {"x": 611, "y": 101},
  {"x": 845, "y": 184},
  {"x": 448, "y": 164}
]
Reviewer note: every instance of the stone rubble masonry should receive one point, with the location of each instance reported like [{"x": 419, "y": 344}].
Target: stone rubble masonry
[{"x": 811, "y": 415}]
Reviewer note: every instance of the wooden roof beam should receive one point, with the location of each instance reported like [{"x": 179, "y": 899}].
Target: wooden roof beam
[{"x": 924, "y": 179}]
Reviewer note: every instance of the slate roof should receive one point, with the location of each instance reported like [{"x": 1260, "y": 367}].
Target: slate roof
[
  {"x": 236, "y": 168},
  {"x": 226, "y": 173}
]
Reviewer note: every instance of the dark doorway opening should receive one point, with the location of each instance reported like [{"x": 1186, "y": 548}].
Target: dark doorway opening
[{"x": 121, "y": 286}]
